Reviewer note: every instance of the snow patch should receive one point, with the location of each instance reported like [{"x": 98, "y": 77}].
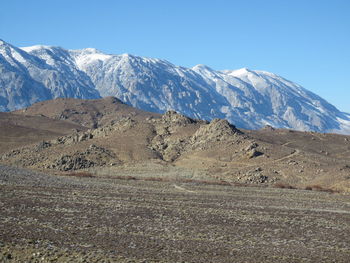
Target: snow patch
[
  {"x": 34, "y": 48},
  {"x": 83, "y": 60},
  {"x": 344, "y": 127},
  {"x": 238, "y": 72}
]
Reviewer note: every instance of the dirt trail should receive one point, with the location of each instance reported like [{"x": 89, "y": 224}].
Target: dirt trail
[
  {"x": 183, "y": 189},
  {"x": 287, "y": 143},
  {"x": 296, "y": 152}
]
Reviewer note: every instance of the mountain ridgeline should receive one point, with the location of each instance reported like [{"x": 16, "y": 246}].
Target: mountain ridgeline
[{"x": 249, "y": 99}]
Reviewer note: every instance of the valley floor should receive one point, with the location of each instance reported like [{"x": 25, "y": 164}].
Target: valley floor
[{"x": 79, "y": 219}]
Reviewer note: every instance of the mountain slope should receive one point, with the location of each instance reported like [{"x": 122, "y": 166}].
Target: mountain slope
[
  {"x": 269, "y": 99},
  {"x": 150, "y": 84},
  {"x": 247, "y": 98},
  {"x": 42, "y": 74}
]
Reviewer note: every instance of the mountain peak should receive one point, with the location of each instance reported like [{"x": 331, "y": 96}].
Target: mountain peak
[
  {"x": 35, "y": 48},
  {"x": 241, "y": 71},
  {"x": 128, "y": 56},
  {"x": 202, "y": 67},
  {"x": 90, "y": 50},
  {"x": 86, "y": 56}
]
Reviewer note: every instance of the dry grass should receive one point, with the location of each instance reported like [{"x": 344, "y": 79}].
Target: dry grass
[
  {"x": 280, "y": 185},
  {"x": 176, "y": 180}
]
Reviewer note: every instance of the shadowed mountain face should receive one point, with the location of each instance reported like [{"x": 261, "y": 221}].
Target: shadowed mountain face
[
  {"x": 108, "y": 137},
  {"x": 246, "y": 98}
]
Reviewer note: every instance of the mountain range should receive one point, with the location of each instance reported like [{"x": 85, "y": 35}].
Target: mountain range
[{"x": 249, "y": 99}]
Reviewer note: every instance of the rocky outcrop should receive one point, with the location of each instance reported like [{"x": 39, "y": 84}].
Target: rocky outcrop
[
  {"x": 170, "y": 147},
  {"x": 216, "y": 130},
  {"x": 122, "y": 125},
  {"x": 257, "y": 176},
  {"x": 170, "y": 142},
  {"x": 174, "y": 118},
  {"x": 92, "y": 157},
  {"x": 251, "y": 150}
]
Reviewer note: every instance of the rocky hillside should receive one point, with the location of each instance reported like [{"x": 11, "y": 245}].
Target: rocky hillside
[
  {"x": 88, "y": 113},
  {"x": 153, "y": 144},
  {"x": 18, "y": 130}
]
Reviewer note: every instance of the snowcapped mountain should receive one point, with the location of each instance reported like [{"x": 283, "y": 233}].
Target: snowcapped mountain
[
  {"x": 39, "y": 73},
  {"x": 247, "y": 98}
]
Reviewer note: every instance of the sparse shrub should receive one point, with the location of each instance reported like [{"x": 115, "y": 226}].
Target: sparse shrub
[
  {"x": 125, "y": 177},
  {"x": 319, "y": 188},
  {"x": 157, "y": 179},
  {"x": 284, "y": 186},
  {"x": 81, "y": 174}
]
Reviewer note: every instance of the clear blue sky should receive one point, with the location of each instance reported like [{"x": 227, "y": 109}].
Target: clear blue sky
[{"x": 306, "y": 41}]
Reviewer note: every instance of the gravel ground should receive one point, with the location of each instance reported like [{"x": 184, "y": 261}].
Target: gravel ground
[
  {"x": 71, "y": 219},
  {"x": 17, "y": 176}
]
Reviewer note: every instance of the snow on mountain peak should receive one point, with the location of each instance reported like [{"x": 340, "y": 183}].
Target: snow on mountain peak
[
  {"x": 34, "y": 48},
  {"x": 202, "y": 67},
  {"x": 83, "y": 57},
  {"x": 90, "y": 50},
  {"x": 238, "y": 72}
]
